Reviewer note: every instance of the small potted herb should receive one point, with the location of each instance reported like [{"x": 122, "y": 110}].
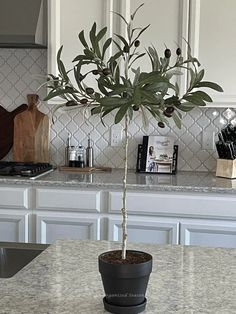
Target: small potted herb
[{"x": 122, "y": 88}]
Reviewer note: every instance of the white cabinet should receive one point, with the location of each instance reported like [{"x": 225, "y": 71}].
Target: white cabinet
[
  {"x": 66, "y": 20},
  {"x": 209, "y": 26},
  {"x": 14, "y": 226},
  {"x": 45, "y": 214},
  {"x": 14, "y": 213},
  {"x": 57, "y": 214},
  {"x": 67, "y": 199},
  {"x": 14, "y": 197},
  {"x": 175, "y": 204},
  {"x": 145, "y": 230},
  {"x": 212, "y": 38},
  {"x": 51, "y": 226},
  {"x": 168, "y": 19},
  {"x": 208, "y": 233}
]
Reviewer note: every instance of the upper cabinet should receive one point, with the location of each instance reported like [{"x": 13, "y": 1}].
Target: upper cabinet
[
  {"x": 213, "y": 41},
  {"x": 168, "y": 28},
  {"x": 67, "y": 19},
  {"x": 209, "y": 27}
]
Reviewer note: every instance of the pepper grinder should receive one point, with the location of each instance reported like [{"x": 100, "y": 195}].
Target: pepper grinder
[
  {"x": 80, "y": 156},
  {"x": 67, "y": 150},
  {"x": 89, "y": 153}
]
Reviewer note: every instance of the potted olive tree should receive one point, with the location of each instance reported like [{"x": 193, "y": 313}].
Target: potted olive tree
[{"x": 124, "y": 89}]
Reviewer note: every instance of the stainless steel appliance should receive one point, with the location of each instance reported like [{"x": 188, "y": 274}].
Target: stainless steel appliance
[{"x": 30, "y": 170}]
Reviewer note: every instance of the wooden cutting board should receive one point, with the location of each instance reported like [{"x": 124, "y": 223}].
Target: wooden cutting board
[
  {"x": 31, "y": 134},
  {"x": 7, "y": 128},
  {"x": 85, "y": 169}
]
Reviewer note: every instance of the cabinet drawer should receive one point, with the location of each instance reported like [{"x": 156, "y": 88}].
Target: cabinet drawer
[
  {"x": 14, "y": 197},
  {"x": 177, "y": 204},
  {"x": 73, "y": 200}
]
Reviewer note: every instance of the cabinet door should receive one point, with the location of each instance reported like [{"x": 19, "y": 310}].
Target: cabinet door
[
  {"x": 145, "y": 230},
  {"x": 54, "y": 226},
  {"x": 14, "y": 226},
  {"x": 66, "y": 20},
  {"x": 208, "y": 233},
  {"x": 212, "y": 38},
  {"x": 168, "y": 21}
]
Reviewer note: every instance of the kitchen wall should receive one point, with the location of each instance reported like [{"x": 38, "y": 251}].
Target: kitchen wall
[{"x": 23, "y": 70}]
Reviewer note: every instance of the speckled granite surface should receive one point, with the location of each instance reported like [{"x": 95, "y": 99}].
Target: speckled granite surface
[
  {"x": 65, "y": 279},
  {"x": 181, "y": 182}
]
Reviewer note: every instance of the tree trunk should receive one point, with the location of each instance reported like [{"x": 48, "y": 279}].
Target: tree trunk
[{"x": 124, "y": 209}]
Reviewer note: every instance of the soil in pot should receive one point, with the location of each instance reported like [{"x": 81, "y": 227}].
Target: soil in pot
[{"x": 125, "y": 281}]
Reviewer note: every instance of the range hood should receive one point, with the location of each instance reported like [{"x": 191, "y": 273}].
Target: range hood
[{"x": 23, "y": 23}]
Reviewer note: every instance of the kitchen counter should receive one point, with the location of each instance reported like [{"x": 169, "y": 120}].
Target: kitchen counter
[
  {"x": 181, "y": 182},
  {"x": 65, "y": 279}
]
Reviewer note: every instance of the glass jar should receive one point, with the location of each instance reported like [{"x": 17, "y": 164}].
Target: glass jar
[
  {"x": 72, "y": 156},
  {"x": 80, "y": 156}
]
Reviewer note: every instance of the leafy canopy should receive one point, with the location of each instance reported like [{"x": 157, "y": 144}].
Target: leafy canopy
[{"x": 123, "y": 88}]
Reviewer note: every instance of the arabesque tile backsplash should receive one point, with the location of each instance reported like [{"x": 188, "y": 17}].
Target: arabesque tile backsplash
[{"x": 23, "y": 70}]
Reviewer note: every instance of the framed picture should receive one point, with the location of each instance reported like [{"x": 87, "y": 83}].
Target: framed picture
[{"x": 157, "y": 154}]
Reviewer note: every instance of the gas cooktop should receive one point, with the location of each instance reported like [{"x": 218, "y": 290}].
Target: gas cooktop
[{"x": 24, "y": 169}]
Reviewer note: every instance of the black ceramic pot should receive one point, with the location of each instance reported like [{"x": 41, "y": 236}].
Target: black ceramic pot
[{"x": 125, "y": 284}]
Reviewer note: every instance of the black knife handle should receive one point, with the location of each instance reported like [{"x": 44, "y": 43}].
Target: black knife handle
[
  {"x": 224, "y": 135},
  {"x": 222, "y": 150},
  {"x": 230, "y": 150},
  {"x": 220, "y": 137}
]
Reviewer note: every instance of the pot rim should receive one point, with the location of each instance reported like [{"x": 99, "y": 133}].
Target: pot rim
[{"x": 149, "y": 257}]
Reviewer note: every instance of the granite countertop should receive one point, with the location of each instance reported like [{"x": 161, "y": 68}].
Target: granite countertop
[
  {"x": 65, "y": 279},
  {"x": 181, "y": 182}
]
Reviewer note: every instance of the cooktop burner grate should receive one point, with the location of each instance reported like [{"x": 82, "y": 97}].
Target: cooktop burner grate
[{"x": 31, "y": 170}]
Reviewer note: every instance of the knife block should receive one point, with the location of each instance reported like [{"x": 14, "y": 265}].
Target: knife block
[{"x": 226, "y": 168}]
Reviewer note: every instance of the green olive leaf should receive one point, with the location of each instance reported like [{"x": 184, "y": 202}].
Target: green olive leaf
[
  {"x": 186, "y": 106},
  {"x": 123, "y": 40},
  {"x": 140, "y": 33},
  {"x": 211, "y": 85},
  {"x": 101, "y": 33},
  {"x": 176, "y": 120},
  {"x": 60, "y": 92},
  {"x": 202, "y": 95},
  {"x": 135, "y": 12},
  {"x": 106, "y": 46},
  {"x": 121, "y": 112},
  {"x": 112, "y": 101},
  {"x": 82, "y": 39},
  {"x": 195, "y": 100}
]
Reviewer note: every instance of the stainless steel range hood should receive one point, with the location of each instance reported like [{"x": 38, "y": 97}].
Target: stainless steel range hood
[{"x": 23, "y": 23}]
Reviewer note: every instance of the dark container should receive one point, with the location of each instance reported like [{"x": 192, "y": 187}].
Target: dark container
[{"x": 125, "y": 285}]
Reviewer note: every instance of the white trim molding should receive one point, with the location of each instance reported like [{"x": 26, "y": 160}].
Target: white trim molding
[
  {"x": 194, "y": 26},
  {"x": 53, "y": 34},
  {"x": 109, "y": 8},
  {"x": 183, "y": 37}
]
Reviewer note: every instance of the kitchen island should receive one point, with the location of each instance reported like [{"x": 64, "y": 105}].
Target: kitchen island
[{"x": 65, "y": 279}]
